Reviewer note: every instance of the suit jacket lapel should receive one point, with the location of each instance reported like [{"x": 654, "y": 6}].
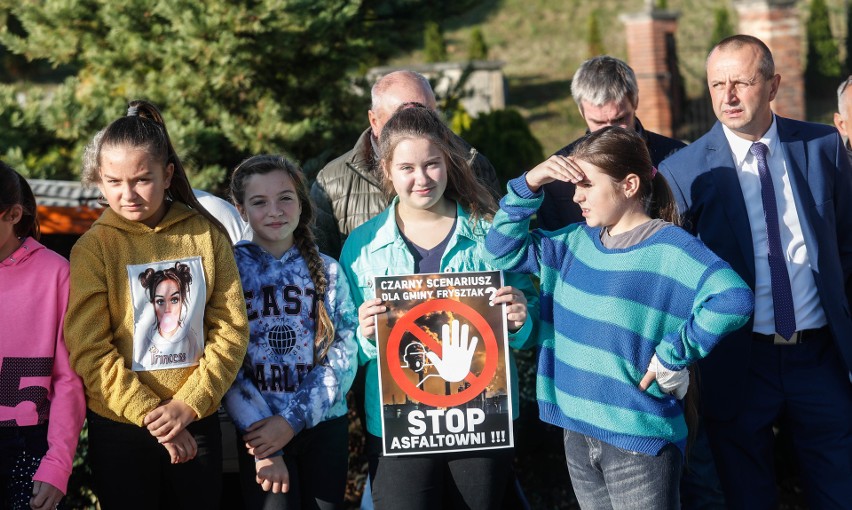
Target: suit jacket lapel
[
  {"x": 797, "y": 169},
  {"x": 724, "y": 172}
]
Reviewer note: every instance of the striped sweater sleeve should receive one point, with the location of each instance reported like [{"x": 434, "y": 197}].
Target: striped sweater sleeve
[
  {"x": 723, "y": 303},
  {"x": 509, "y": 244}
]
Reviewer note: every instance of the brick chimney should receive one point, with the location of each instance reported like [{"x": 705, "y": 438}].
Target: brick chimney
[
  {"x": 652, "y": 55},
  {"x": 776, "y": 23}
]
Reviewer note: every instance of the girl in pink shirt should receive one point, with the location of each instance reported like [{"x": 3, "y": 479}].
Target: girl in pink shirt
[{"x": 41, "y": 399}]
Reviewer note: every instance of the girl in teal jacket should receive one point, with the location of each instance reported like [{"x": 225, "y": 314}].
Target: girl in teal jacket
[{"x": 436, "y": 222}]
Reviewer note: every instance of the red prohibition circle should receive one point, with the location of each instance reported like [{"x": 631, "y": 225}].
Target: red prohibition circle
[{"x": 407, "y": 323}]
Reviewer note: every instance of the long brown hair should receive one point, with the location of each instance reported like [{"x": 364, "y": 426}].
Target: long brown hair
[
  {"x": 143, "y": 127},
  {"x": 619, "y": 152},
  {"x": 303, "y": 235},
  {"x": 463, "y": 187}
]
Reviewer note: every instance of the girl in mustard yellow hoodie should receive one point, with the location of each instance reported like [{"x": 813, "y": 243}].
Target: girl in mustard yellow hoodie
[{"x": 156, "y": 323}]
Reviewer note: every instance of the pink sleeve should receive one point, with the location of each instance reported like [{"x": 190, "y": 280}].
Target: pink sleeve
[{"x": 67, "y": 406}]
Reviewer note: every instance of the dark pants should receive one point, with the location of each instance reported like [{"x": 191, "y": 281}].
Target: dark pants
[
  {"x": 21, "y": 451},
  {"x": 317, "y": 460},
  {"x": 700, "y": 488},
  {"x": 806, "y": 387},
  {"x": 130, "y": 469},
  {"x": 476, "y": 479}
]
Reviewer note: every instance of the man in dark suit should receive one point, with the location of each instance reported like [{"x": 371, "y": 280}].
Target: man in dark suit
[
  {"x": 773, "y": 197},
  {"x": 606, "y": 93}
]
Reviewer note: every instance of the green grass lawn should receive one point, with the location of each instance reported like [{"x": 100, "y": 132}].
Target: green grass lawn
[{"x": 542, "y": 42}]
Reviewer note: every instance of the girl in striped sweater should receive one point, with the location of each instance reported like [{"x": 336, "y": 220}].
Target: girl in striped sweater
[{"x": 628, "y": 301}]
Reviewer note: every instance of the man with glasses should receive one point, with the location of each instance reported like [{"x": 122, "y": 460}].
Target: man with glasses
[{"x": 773, "y": 197}]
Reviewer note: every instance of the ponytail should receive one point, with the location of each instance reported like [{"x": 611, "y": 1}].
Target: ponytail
[
  {"x": 144, "y": 127},
  {"x": 661, "y": 202}
]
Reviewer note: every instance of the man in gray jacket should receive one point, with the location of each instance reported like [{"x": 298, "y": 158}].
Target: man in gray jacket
[{"x": 348, "y": 190}]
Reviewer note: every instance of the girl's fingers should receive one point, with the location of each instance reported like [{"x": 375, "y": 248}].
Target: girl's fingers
[
  {"x": 572, "y": 168},
  {"x": 509, "y": 295},
  {"x": 367, "y": 312},
  {"x": 647, "y": 380},
  {"x": 557, "y": 168}
]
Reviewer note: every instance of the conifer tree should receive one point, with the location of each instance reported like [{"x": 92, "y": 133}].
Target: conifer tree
[
  {"x": 722, "y": 26},
  {"x": 594, "y": 40},
  {"x": 505, "y": 137},
  {"x": 477, "y": 48},
  {"x": 434, "y": 46},
  {"x": 823, "y": 68},
  {"x": 233, "y": 77}
]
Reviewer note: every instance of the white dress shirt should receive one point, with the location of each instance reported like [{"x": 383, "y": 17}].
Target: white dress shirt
[{"x": 809, "y": 312}]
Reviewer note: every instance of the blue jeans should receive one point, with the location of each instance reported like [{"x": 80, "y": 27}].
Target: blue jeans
[{"x": 607, "y": 477}]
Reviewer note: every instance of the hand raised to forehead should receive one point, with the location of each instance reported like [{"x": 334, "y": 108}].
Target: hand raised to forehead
[{"x": 554, "y": 168}]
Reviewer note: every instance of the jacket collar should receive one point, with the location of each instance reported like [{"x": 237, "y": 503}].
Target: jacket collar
[
  {"x": 721, "y": 160},
  {"x": 388, "y": 231},
  {"x": 364, "y": 160}
]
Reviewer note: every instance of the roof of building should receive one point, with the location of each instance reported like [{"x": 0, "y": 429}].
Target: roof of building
[{"x": 64, "y": 193}]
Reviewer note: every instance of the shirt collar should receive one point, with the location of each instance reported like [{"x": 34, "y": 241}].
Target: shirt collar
[
  {"x": 741, "y": 147},
  {"x": 388, "y": 232}
]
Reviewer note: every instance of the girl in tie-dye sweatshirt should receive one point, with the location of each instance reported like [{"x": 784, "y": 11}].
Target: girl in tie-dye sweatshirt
[{"x": 289, "y": 398}]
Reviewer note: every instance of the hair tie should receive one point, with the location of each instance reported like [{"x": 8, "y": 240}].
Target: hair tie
[
  {"x": 132, "y": 111},
  {"x": 653, "y": 172}
]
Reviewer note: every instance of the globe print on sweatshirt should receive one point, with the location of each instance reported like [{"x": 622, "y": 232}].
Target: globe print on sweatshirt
[{"x": 280, "y": 375}]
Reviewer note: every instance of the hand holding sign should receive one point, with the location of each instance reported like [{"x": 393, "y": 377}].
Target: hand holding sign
[{"x": 454, "y": 366}]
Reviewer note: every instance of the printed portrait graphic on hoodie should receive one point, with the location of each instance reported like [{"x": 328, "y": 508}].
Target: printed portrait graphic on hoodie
[{"x": 168, "y": 313}]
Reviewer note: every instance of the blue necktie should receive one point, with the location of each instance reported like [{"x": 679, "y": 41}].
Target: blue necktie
[{"x": 782, "y": 295}]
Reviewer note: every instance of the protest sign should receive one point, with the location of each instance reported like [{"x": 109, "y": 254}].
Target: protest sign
[{"x": 443, "y": 357}]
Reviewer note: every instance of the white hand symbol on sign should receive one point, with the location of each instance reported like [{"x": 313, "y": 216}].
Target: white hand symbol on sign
[{"x": 457, "y": 352}]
